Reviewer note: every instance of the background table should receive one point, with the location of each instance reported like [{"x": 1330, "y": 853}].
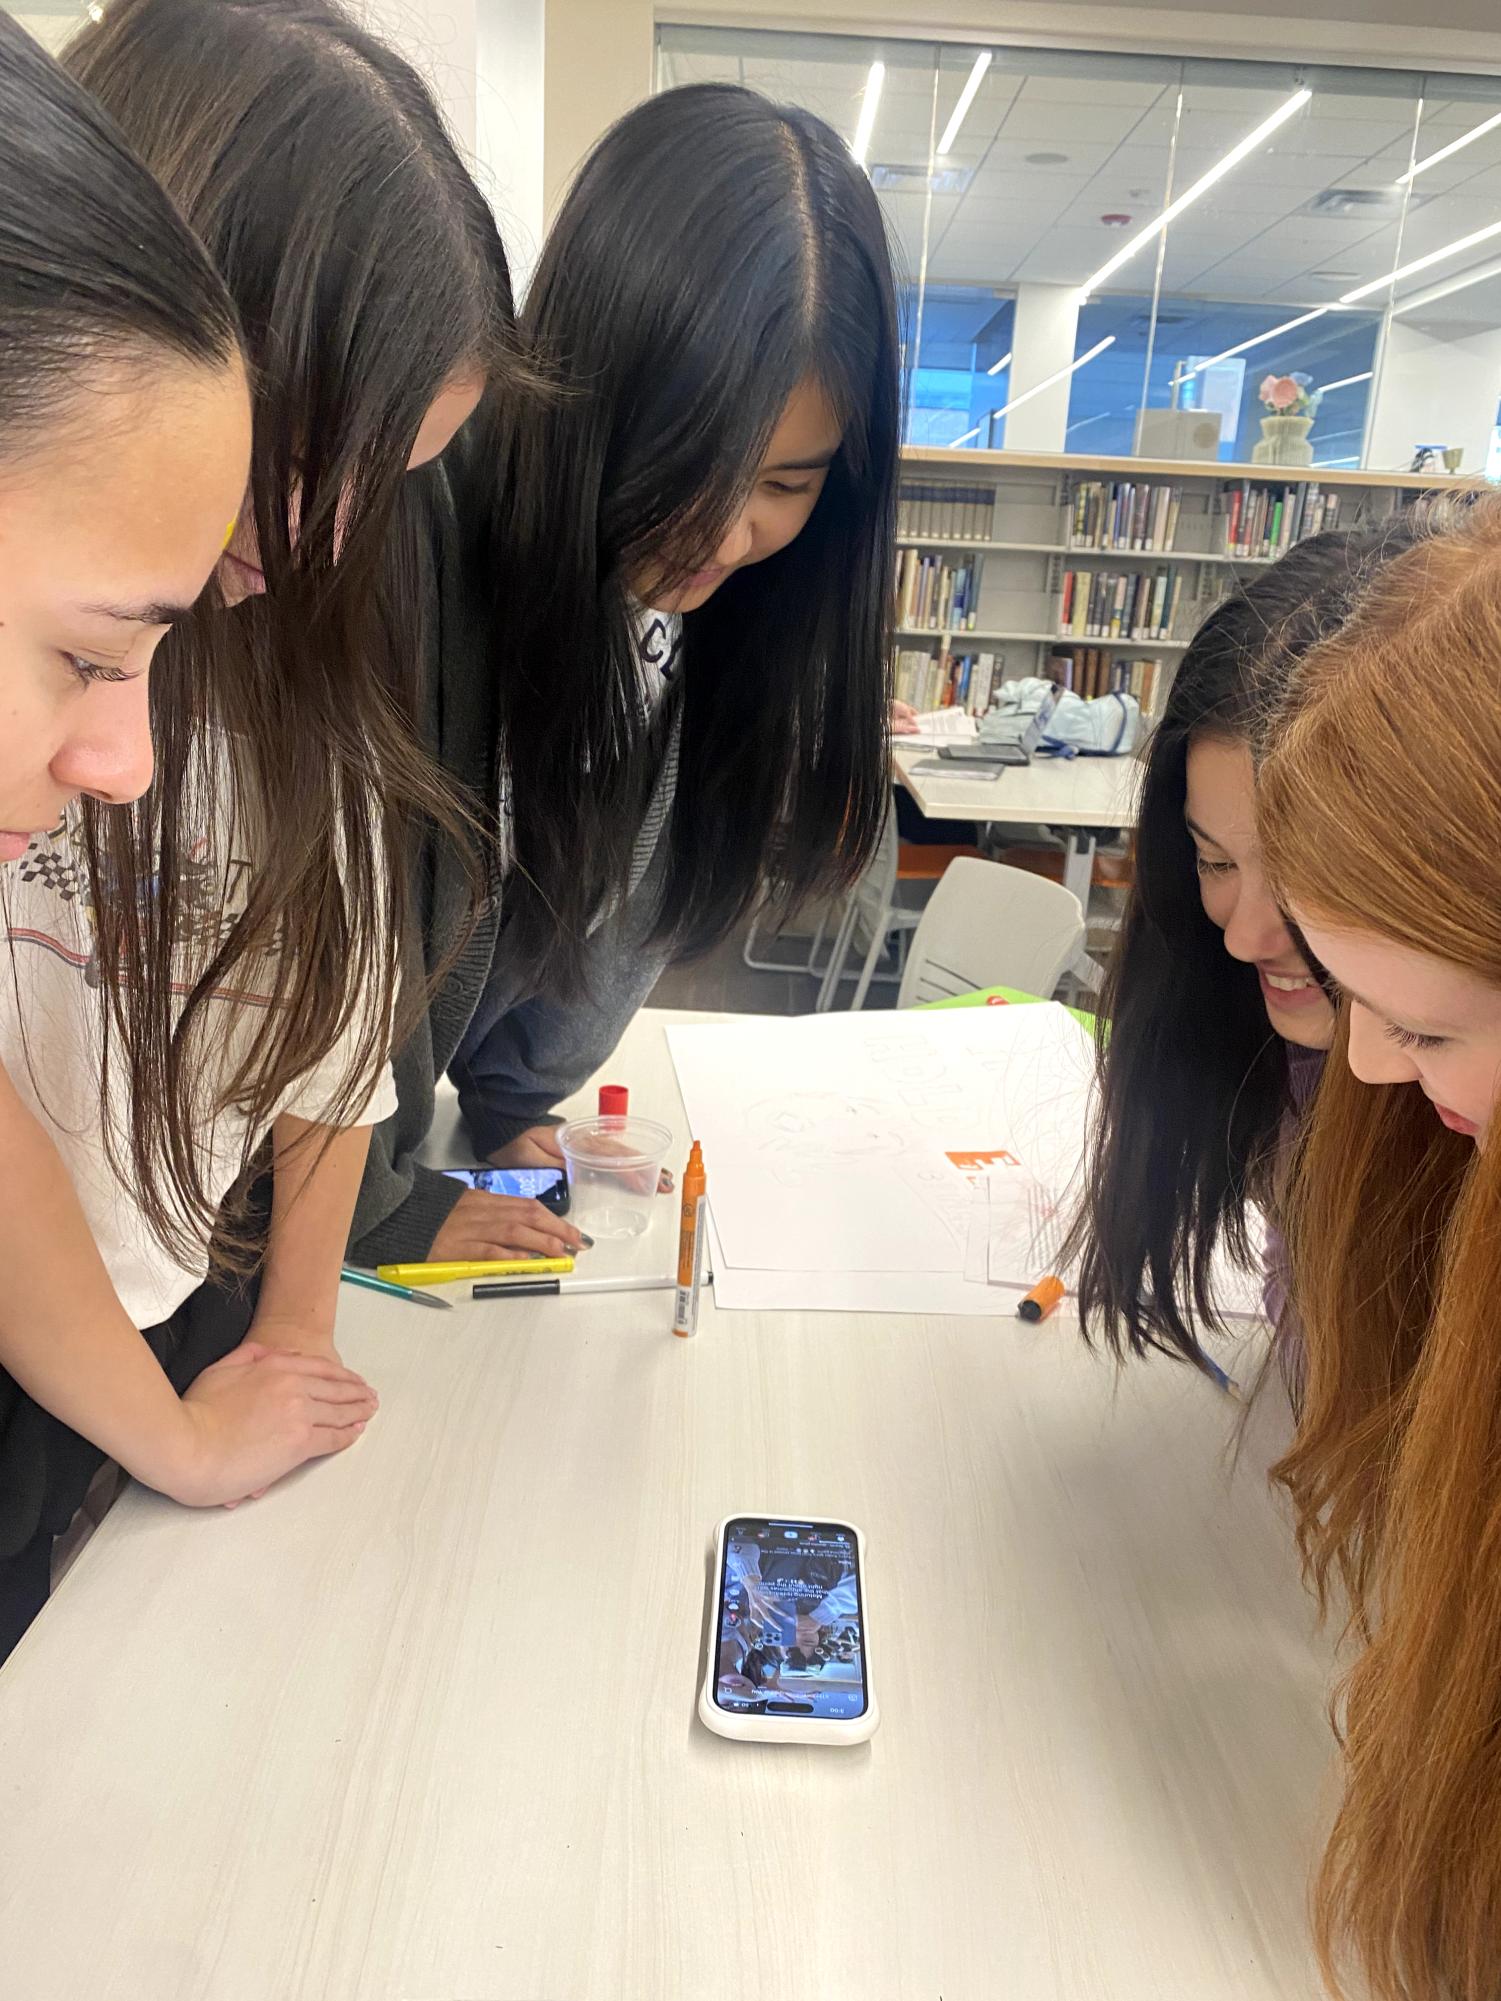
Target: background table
[
  {"x": 419, "y": 1726},
  {"x": 1077, "y": 798}
]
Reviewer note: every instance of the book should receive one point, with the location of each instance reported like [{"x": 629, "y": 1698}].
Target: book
[{"x": 1134, "y": 516}]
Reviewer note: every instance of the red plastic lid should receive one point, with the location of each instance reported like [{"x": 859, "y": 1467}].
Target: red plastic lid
[{"x": 614, "y": 1101}]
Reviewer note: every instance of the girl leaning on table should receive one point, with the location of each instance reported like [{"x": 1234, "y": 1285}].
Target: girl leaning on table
[
  {"x": 1378, "y": 807},
  {"x": 246, "y": 973},
  {"x": 1218, "y": 1024},
  {"x": 664, "y": 652},
  {"x": 124, "y": 437}
]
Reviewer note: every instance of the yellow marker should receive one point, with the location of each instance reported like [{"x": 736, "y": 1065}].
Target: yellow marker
[{"x": 441, "y": 1274}]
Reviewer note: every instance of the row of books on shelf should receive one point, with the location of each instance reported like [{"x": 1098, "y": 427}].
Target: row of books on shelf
[
  {"x": 935, "y": 596},
  {"x": 948, "y": 680},
  {"x": 1119, "y": 604},
  {"x": 1125, "y": 514},
  {"x": 952, "y": 513},
  {"x": 1263, "y": 522},
  {"x": 1092, "y": 671}
]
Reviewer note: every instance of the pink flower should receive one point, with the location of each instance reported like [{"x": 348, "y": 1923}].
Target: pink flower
[
  {"x": 1264, "y": 393},
  {"x": 1280, "y": 391}
]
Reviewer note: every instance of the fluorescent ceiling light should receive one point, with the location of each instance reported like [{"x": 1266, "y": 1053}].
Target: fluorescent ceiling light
[
  {"x": 867, "y": 124},
  {"x": 1344, "y": 382},
  {"x": 954, "y": 443},
  {"x": 966, "y": 99},
  {"x": 996, "y": 366},
  {"x": 1422, "y": 263},
  {"x": 1454, "y": 146},
  {"x": 1057, "y": 376},
  {"x": 1217, "y": 172},
  {"x": 1433, "y": 293},
  {"x": 1256, "y": 340},
  {"x": 1353, "y": 460}
]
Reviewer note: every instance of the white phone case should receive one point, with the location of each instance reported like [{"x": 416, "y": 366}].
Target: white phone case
[{"x": 786, "y": 1729}]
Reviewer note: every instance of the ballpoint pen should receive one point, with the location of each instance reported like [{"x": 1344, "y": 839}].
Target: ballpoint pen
[{"x": 353, "y": 1275}]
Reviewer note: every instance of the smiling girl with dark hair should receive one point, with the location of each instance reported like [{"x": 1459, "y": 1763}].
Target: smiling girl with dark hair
[{"x": 1218, "y": 1023}]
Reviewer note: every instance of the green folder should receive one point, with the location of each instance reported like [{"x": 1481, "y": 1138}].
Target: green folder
[{"x": 1010, "y": 996}]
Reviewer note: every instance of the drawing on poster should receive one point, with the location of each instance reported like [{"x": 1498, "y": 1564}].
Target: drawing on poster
[
  {"x": 799, "y": 1134},
  {"x": 855, "y": 1146}
]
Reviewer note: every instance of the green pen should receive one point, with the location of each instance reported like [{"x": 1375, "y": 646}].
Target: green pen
[{"x": 353, "y": 1275}]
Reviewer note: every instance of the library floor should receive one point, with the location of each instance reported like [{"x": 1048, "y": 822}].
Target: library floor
[{"x": 722, "y": 980}]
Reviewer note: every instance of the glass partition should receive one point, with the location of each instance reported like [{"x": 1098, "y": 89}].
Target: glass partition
[{"x": 1103, "y": 254}]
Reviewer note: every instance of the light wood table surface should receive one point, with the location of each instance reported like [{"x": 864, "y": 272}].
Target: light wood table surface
[{"x": 419, "y": 1726}]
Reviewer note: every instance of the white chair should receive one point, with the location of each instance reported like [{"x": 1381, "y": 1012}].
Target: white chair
[
  {"x": 806, "y": 962},
  {"x": 875, "y": 899},
  {"x": 987, "y": 925}
]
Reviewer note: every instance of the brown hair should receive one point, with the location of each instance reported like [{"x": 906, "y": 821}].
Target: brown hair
[
  {"x": 1377, "y": 804},
  {"x": 368, "y": 273}
]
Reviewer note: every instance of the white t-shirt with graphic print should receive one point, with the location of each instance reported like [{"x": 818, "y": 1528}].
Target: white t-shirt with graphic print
[{"x": 50, "y": 1029}]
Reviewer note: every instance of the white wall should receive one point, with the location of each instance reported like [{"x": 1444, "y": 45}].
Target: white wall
[
  {"x": 511, "y": 46},
  {"x": 527, "y": 86},
  {"x": 1435, "y": 390}
]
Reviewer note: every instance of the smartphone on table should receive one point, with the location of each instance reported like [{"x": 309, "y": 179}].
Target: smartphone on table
[
  {"x": 547, "y": 1185},
  {"x": 788, "y": 1659}
]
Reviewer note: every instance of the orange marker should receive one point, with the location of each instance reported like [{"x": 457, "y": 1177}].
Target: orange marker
[
  {"x": 690, "y": 1245},
  {"x": 1041, "y": 1300}
]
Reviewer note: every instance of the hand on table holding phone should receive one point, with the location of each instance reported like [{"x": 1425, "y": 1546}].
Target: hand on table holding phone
[{"x": 481, "y": 1226}]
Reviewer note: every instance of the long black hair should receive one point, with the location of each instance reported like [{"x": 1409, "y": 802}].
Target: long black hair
[
  {"x": 94, "y": 260},
  {"x": 715, "y": 252},
  {"x": 368, "y": 274},
  {"x": 1193, "y": 1078}
]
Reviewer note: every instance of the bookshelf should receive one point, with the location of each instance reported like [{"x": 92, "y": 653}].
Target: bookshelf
[{"x": 993, "y": 546}]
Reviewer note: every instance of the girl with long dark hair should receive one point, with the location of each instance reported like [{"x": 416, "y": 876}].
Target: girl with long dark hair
[
  {"x": 372, "y": 288},
  {"x": 675, "y": 687},
  {"x": 124, "y": 440},
  {"x": 1217, "y": 1022}
]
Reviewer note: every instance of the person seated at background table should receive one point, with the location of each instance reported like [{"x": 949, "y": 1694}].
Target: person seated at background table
[
  {"x": 1379, "y": 811},
  {"x": 665, "y": 629},
  {"x": 1217, "y": 1023}
]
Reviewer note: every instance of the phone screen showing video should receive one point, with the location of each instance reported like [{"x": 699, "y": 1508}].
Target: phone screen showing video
[
  {"x": 538, "y": 1182},
  {"x": 791, "y": 1621}
]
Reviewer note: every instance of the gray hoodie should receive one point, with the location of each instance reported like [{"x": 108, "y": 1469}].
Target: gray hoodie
[{"x": 510, "y": 1051}]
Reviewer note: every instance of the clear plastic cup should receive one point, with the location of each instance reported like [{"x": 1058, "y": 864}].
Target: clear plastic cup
[{"x": 613, "y": 1166}]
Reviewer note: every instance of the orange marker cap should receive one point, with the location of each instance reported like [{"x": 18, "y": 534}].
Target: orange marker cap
[{"x": 1041, "y": 1300}]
